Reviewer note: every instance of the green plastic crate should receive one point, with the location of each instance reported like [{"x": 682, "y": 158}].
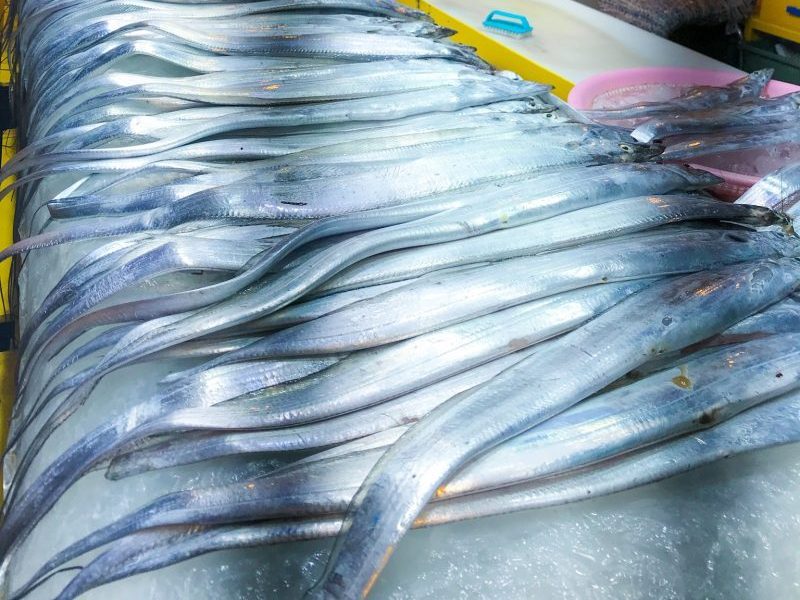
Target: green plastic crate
[{"x": 759, "y": 55}]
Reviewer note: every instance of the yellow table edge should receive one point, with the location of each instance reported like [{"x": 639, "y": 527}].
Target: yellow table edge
[
  {"x": 755, "y": 25},
  {"x": 493, "y": 51},
  {"x": 8, "y": 367},
  {"x": 5, "y": 73},
  {"x": 8, "y": 360},
  {"x": 9, "y": 148}
]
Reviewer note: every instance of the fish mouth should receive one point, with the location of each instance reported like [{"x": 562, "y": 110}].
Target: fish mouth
[
  {"x": 641, "y": 151},
  {"x": 652, "y": 149},
  {"x": 700, "y": 176}
]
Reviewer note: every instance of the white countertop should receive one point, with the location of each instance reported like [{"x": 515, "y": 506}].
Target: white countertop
[{"x": 577, "y": 41}]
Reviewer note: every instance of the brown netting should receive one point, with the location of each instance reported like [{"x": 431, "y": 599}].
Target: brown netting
[{"x": 665, "y": 16}]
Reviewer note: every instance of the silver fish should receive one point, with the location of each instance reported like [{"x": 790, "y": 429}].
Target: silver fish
[
  {"x": 694, "y": 98},
  {"x": 299, "y": 481},
  {"x": 779, "y": 190},
  {"x": 448, "y": 299},
  {"x": 767, "y": 111},
  {"x": 659, "y": 319}
]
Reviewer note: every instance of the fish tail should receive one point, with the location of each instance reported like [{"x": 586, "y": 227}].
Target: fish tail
[
  {"x": 123, "y": 560},
  {"x": 113, "y": 532},
  {"x": 21, "y": 516},
  {"x": 96, "y": 229},
  {"x": 75, "y": 206}
]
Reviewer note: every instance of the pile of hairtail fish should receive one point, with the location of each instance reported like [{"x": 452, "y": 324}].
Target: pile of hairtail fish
[{"x": 314, "y": 271}]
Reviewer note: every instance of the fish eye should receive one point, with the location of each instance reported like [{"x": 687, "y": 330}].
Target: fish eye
[{"x": 625, "y": 147}]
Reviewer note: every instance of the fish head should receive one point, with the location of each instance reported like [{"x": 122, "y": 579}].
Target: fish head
[
  {"x": 444, "y": 32},
  {"x": 508, "y": 75},
  {"x": 427, "y": 29},
  {"x": 784, "y": 243},
  {"x": 761, "y": 216},
  {"x": 630, "y": 151},
  {"x": 753, "y": 84},
  {"x": 467, "y": 55},
  {"x": 557, "y": 116},
  {"x": 772, "y": 242},
  {"x": 403, "y": 11},
  {"x": 694, "y": 177},
  {"x": 538, "y": 104},
  {"x": 793, "y": 98},
  {"x": 616, "y": 145}
]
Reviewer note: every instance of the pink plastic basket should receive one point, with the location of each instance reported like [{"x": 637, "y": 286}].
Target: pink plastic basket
[{"x": 626, "y": 86}]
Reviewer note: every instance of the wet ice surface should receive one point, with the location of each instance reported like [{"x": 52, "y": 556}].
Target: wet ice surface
[{"x": 725, "y": 531}]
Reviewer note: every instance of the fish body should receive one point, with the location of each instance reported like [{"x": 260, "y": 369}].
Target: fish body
[
  {"x": 693, "y": 98},
  {"x": 779, "y": 190},
  {"x": 361, "y": 551}
]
